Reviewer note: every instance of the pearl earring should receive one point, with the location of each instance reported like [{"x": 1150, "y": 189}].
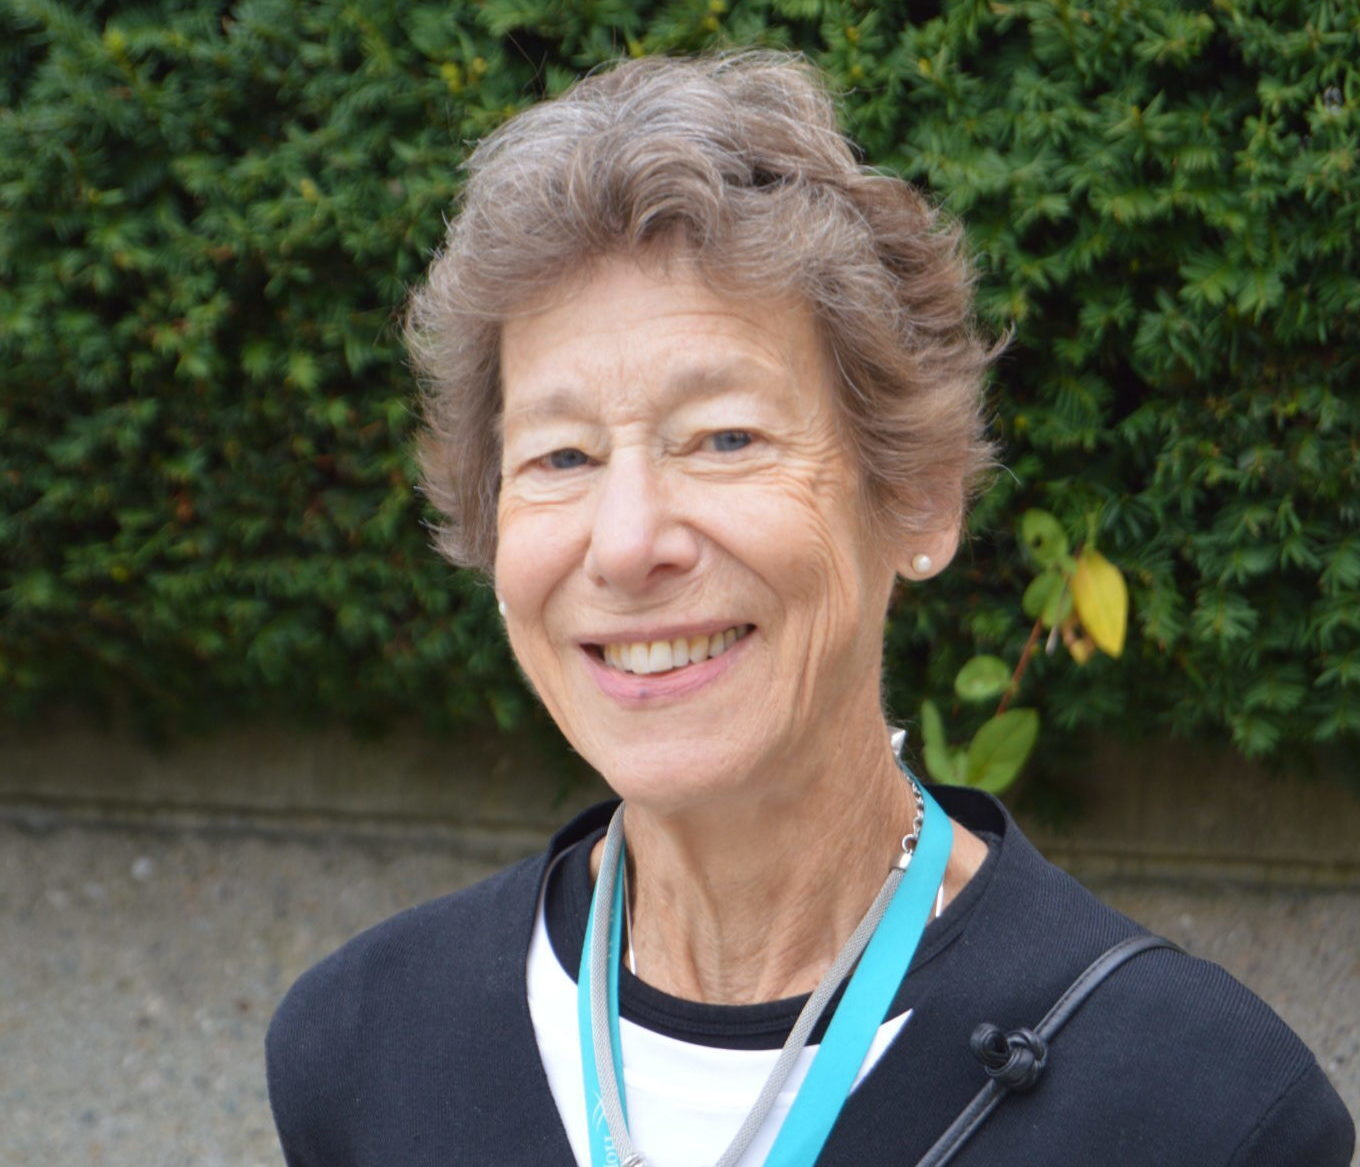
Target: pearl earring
[
  {"x": 500, "y": 607},
  {"x": 921, "y": 564}
]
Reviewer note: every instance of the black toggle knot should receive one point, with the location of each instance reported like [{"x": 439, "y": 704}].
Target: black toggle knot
[{"x": 1014, "y": 1059}]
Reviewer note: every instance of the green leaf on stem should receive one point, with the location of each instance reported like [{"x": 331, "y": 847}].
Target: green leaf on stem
[
  {"x": 935, "y": 749},
  {"x": 1048, "y": 597},
  {"x": 1043, "y": 537},
  {"x": 1000, "y": 748},
  {"x": 982, "y": 678}
]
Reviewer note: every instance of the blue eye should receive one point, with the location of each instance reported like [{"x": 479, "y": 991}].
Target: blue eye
[
  {"x": 729, "y": 441},
  {"x": 566, "y": 459}
]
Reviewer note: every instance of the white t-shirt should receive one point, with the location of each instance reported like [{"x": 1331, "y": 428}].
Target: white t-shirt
[{"x": 685, "y": 1101}]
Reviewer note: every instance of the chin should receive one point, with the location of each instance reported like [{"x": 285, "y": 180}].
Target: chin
[{"x": 678, "y": 775}]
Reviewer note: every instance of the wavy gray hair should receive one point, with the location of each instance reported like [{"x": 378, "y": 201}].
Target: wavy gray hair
[{"x": 737, "y": 163}]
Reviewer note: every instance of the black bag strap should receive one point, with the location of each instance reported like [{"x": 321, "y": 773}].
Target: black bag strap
[{"x": 1014, "y": 1060}]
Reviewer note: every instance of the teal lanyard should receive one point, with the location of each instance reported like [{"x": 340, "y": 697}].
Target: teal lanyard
[
  {"x": 863, "y": 1008},
  {"x": 602, "y": 1153}
]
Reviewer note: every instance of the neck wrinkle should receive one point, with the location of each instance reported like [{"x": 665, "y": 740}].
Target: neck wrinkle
[{"x": 742, "y": 904}]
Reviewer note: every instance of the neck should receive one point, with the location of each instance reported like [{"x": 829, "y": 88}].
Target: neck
[{"x": 750, "y": 901}]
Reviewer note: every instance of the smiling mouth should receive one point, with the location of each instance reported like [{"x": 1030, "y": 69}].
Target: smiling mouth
[{"x": 645, "y": 657}]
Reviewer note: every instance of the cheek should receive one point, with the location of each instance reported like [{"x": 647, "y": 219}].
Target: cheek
[
  {"x": 535, "y": 550},
  {"x": 804, "y": 539}
]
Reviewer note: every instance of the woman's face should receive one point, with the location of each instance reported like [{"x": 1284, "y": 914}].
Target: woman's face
[{"x": 689, "y": 579}]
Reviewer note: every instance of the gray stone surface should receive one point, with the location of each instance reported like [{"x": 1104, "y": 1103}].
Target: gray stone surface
[
  {"x": 140, "y": 966},
  {"x": 1159, "y": 807},
  {"x": 140, "y": 963}
]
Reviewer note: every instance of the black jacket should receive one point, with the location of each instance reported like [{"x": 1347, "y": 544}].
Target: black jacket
[{"x": 412, "y": 1045}]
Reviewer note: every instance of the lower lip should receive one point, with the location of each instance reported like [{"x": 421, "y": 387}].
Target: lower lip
[{"x": 636, "y": 689}]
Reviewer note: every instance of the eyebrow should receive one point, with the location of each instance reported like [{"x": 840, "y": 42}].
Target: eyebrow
[{"x": 695, "y": 383}]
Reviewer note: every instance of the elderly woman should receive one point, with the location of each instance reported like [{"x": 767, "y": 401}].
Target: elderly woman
[{"x": 702, "y": 388}]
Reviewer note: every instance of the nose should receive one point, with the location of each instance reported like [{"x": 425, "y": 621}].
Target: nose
[{"x": 637, "y": 536}]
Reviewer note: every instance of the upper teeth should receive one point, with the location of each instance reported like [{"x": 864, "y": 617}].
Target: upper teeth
[{"x": 659, "y": 656}]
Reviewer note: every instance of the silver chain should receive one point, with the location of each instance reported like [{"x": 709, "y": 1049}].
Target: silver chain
[{"x": 913, "y": 837}]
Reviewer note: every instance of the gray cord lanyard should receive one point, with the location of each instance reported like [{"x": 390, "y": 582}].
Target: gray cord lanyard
[{"x": 602, "y": 1033}]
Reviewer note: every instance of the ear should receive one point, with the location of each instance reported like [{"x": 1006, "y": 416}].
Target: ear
[{"x": 926, "y": 554}]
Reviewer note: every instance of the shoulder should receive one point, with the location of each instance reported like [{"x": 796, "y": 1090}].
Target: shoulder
[
  {"x": 453, "y": 936},
  {"x": 471, "y": 942},
  {"x": 375, "y": 1040},
  {"x": 1179, "y": 1038},
  {"x": 350, "y": 1025},
  {"x": 1166, "y": 1035}
]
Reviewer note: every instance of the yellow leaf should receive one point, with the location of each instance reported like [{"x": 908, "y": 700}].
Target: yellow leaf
[{"x": 1102, "y": 600}]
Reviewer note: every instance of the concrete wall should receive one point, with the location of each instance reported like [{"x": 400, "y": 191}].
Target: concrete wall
[{"x": 1168, "y": 809}]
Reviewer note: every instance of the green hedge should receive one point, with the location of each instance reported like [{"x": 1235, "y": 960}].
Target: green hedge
[{"x": 211, "y": 213}]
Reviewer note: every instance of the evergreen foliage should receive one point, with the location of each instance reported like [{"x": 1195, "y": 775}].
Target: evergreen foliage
[{"x": 210, "y": 215}]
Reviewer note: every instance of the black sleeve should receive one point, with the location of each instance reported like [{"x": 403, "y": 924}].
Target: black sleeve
[
  {"x": 284, "y": 1088},
  {"x": 1307, "y": 1126},
  {"x": 307, "y": 1067}
]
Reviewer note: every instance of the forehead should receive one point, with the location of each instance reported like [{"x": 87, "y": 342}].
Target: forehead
[{"x": 643, "y": 333}]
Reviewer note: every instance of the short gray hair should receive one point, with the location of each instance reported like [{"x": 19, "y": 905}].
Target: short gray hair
[{"x": 736, "y": 162}]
